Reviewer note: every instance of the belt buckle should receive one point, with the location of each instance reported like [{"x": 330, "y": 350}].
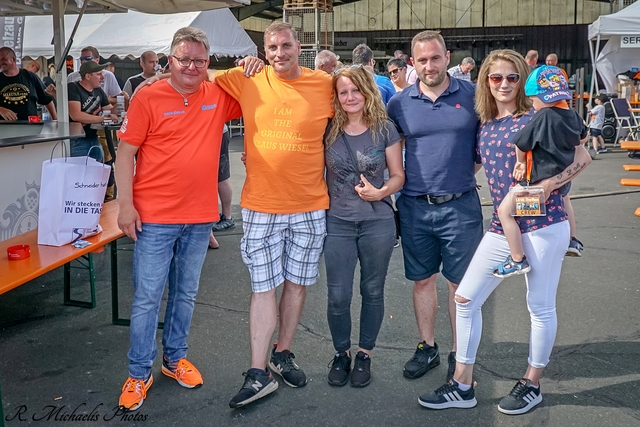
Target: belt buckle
[{"x": 431, "y": 202}]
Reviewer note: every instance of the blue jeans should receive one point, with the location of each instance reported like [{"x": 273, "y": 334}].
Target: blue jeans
[
  {"x": 164, "y": 251},
  {"x": 80, "y": 147},
  {"x": 371, "y": 242}
]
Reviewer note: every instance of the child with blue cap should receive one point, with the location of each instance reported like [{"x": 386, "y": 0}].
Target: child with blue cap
[{"x": 551, "y": 136}]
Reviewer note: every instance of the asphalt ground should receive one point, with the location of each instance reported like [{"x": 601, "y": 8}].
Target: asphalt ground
[{"x": 56, "y": 359}]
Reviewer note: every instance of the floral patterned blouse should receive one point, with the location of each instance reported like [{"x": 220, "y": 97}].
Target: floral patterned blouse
[{"x": 497, "y": 150}]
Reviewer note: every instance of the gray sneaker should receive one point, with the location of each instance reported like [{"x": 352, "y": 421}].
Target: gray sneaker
[{"x": 224, "y": 224}]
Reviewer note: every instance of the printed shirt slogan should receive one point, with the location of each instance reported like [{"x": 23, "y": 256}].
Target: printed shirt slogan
[{"x": 282, "y": 130}]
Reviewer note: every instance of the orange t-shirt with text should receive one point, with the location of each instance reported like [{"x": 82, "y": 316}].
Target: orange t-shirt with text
[
  {"x": 176, "y": 177},
  {"x": 284, "y": 122}
]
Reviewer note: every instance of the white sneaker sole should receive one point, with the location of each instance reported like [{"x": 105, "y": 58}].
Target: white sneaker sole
[
  {"x": 524, "y": 410},
  {"x": 462, "y": 404},
  {"x": 170, "y": 374},
  {"x": 515, "y": 273},
  {"x": 270, "y": 388}
]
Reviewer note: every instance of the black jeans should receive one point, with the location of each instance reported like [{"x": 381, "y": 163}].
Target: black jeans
[{"x": 371, "y": 242}]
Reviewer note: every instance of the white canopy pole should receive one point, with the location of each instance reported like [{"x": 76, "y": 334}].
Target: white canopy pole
[
  {"x": 594, "y": 75},
  {"x": 62, "y": 97},
  {"x": 593, "y": 67}
]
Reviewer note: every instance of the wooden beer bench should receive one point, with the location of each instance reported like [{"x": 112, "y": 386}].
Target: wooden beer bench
[
  {"x": 47, "y": 258},
  {"x": 635, "y": 182}
]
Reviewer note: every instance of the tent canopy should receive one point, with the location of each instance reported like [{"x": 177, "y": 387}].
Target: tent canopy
[
  {"x": 57, "y": 9},
  {"x": 130, "y": 34},
  {"x": 613, "y": 59},
  {"x": 46, "y": 7},
  {"x": 624, "y": 22}
]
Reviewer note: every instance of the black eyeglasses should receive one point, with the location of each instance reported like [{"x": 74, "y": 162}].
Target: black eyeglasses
[
  {"x": 86, "y": 58},
  {"x": 186, "y": 62},
  {"x": 396, "y": 71},
  {"x": 498, "y": 78}
]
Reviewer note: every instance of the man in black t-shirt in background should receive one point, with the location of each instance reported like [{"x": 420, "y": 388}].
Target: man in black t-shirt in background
[
  {"x": 20, "y": 90},
  {"x": 149, "y": 64},
  {"x": 86, "y": 102}
]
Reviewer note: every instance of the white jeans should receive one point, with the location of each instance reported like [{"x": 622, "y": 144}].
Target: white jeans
[{"x": 545, "y": 249}]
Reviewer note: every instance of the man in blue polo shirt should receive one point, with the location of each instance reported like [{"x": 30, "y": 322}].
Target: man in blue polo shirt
[
  {"x": 440, "y": 212},
  {"x": 363, "y": 55}
]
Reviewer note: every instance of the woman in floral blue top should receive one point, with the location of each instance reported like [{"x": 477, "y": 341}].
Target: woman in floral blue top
[{"x": 504, "y": 110}]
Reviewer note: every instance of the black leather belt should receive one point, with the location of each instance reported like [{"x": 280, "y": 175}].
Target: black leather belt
[{"x": 438, "y": 200}]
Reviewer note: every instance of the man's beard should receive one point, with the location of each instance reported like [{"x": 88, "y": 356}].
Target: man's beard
[{"x": 434, "y": 81}]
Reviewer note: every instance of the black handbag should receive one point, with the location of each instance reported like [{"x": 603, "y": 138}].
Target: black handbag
[{"x": 396, "y": 214}]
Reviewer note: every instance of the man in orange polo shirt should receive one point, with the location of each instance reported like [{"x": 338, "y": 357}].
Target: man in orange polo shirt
[
  {"x": 178, "y": 146},
  {"x": 286, "y": 109}
]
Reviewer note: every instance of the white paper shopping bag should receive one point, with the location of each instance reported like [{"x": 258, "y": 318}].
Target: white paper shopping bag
[{"x": 71, "y": 197}]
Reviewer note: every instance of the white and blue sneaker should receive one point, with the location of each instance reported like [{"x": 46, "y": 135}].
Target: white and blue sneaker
[
  {"x": 575, "y": 247},
  {"x": 509, "y": 267}
]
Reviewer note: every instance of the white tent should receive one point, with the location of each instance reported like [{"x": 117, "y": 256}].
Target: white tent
[
  {"x": 130, "y": 34},
  {"x": 57, "y": 9},
  {"x": 613, "y": 59}
]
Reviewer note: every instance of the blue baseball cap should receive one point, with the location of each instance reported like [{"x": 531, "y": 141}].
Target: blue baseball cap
[{"x": 548, "y": 84}]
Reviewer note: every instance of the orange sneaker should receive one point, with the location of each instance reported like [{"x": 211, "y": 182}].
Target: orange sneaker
[
  {"x": 134, "y": 392},
  {"x": 185, "y": 373}
]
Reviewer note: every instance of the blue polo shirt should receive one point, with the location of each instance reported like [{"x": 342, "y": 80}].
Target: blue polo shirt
[
  {"x": 441, "y": 138},
  {"x": 386, "y": 87}
]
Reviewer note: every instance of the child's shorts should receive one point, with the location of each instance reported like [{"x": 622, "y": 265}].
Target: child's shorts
[{"x": 596, "y": 132}]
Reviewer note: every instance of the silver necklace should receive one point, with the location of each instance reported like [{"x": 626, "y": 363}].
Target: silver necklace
[
  {"x": 185, "y": 99},
  {"x": 351, "y": 132}
]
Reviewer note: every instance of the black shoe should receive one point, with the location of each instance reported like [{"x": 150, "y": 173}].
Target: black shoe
[
  {"x": 451, "y": 369},
  {"x": 340, "y": 368},
  {"x": 224, "y": 224},
  {"x": 361, "y": 376},
  {"x": 282, "y": 364},
  {"x": 257, "y": 384},
  {"x": 425, "y": 358},
  {"x": 449, "y": 396},
  {"x": 521, "y": 400}
]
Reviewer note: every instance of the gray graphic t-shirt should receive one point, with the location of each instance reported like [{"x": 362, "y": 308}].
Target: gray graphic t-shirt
[{"x": 342, "y": 177}]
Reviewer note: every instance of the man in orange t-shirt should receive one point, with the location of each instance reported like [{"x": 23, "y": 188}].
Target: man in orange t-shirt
[
  {"x": 552, "y": 59},
  {"x": 177, "y": 142},
  {"x": 286, "y": 109}
]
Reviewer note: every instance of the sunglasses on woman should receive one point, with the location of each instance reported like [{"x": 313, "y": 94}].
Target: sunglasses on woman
[{"x": 498, "y": 78}]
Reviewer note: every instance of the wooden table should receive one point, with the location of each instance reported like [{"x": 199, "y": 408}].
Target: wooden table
[{"x": 46, "y": 258}]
